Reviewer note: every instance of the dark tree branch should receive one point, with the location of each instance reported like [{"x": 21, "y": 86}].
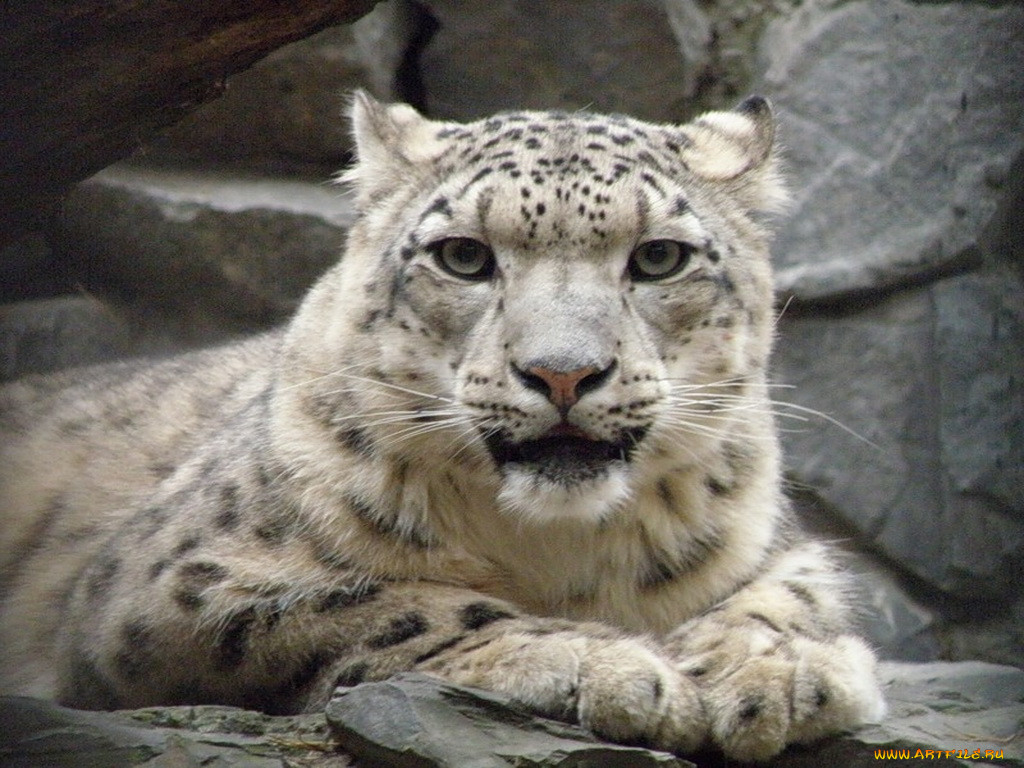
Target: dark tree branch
[{"x": 84, "y": 82}]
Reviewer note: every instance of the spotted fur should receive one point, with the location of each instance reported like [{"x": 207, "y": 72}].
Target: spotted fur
[{"x": 518, "y": 438}]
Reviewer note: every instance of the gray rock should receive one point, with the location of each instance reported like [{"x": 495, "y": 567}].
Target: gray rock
[
  {"x": 38, "y": 733},
  {"x": 929, "y": 380},
  {"x": 967, "y": 713},
  {"x": 27, "y": 272},
  {"x": 901, "y": 121},
  {"x": 203, "y": 254},
  {"x": 51, "y": 334},
  {"x": 619, "y": 56},
  {"x": 952, "y": 706},
  {"x": 289, "y": 106},
  {"x": 414, "y": 721},
  {"x": 419, "y": 722},
  {"x": 994, "y": 633}
]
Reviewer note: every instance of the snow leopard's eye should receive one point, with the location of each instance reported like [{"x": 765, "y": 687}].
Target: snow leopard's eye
[
  {"x": 464, "y": 257},
  {"x": 658, "y": 259}
]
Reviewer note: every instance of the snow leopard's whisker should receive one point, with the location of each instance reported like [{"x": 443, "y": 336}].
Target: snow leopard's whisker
[
  {"x": 729, "y": 403},
  {"x": 397, "y": 387},
  {"x": 416, "y": 429},
  {"x": 320, "y": 376},
  {"x": 418, "y": 415}
]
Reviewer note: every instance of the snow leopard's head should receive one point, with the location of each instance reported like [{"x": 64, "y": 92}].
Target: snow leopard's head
[{"x": 555, "y": 300}]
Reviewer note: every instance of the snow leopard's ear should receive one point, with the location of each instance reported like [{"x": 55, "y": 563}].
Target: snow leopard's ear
[
  {"x": 393, "y": 143},
  {"x": 738, "y": 149}
]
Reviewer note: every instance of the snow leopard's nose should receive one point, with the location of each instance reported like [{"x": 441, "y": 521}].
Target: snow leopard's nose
[{"x": 563, "y": 387}]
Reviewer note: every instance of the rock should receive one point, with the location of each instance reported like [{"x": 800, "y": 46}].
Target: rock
[
  {"x": 963, "y": 706},
  {"x": 929, "y": 381},
  {"x": 902, "y": 122},
  {"x": 417, "y": 722},
  {"x": 511, "y": 54},
  {"x": 38, "y": 733},
  {"x": 52, "y": 334},
  {"x": 289, "y": 106},
  {"x": 84, "y": 83},
  {"x": 203, "y": 254},
  {"x": 27, "y": 271},
  {"x": 990, "y": 632},
  {"x": 414, "y": 721}
]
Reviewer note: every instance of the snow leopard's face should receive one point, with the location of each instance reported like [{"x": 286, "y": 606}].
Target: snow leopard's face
[{"x": 564, "y": 300}]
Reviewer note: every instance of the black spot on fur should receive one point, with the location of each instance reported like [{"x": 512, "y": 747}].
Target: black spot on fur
[
  {"x": 189, "y": 598},
  {"x": 150, "y": 520},
  {"x": 158, "y": 568},
  {"x": 233, "y": 641},
  {"x": 477, "y": 615},
  {"x": 281, "y": 700},
  {"x": 386, "y": 523},
  {"x": 801, "y": 593},
  {"x": 370, "y": 321},
  {"x": 659, "y": 572},
  {"x": 668, "y": 498},
  {"x": 652, "y": 182},
  {"x": 657, "y": 689},
  {"x": 441, "y": 206},
  {"x": 101, "y": 576},
  {"x": 664, "y": 568},
  {"x": 401, "y": 629},
  {"x": 762, "y": 619},
  {"x": 821, "y": 697},
  {"x": 201, "y": 572},
  {"x": 751, "y": 708},
  {"x": 89, "y": 689},
  {"x": 161, "y": 470},
  {"x": 347, "y": 597},
  {"x": 716, "y": 486},
  {"x": 439, "y": 649},
  {"x": 740, "y": 460},
  {"x": 353, "y": 674},
  {"x": 228, "y": 512},
  {"x": 481, "y": 174},
  {"x": 357, "y": 441},
  {"x": 193, "y": 578},
  {"x": 135, "y": 655},
  {"x": 274, "y": 528},
  {"x": 724, "y": 283},
  {"x": 332, "y": 559},
  {"x": 187, "y": 544}
]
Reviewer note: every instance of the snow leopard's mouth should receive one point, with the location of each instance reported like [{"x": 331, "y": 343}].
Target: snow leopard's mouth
[{"x": 565, "y": 455}]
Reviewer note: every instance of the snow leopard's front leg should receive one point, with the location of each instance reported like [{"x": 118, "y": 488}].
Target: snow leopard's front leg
[{"x": 776, "y": 663}]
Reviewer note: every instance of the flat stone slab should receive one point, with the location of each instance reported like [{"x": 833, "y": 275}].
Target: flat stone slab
[
  {"x": 414, "y": 721},
  {"x": 38, "y": 733},
  {"x": 942, "y": 713}
]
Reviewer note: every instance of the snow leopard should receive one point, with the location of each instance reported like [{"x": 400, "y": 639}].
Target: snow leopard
[{"x": 519, "y": 438}]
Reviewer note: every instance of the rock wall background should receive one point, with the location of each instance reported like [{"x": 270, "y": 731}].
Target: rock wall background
[{"x": 901, "y": 267}]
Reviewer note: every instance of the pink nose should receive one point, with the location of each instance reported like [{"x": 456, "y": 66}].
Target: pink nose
[{"x": 562, "y": 384}]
